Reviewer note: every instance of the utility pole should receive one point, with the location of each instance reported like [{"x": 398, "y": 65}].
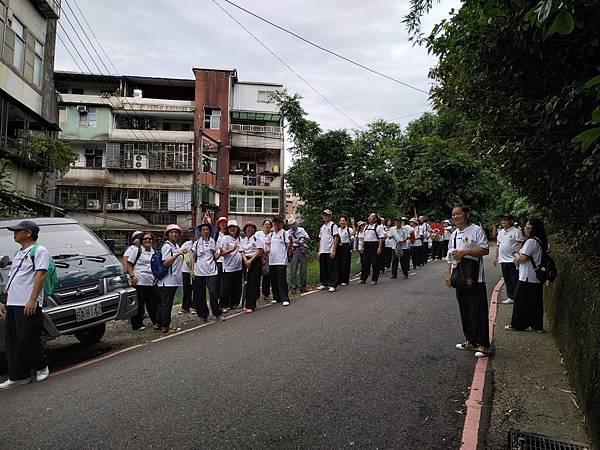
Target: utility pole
[{"x": 196, "y": 175}]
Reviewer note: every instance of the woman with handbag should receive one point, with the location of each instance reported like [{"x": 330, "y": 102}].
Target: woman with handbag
[
  {"x": 266, "y": 278},
  {"x": 464, "y": 272},
  {"x": 528, "y": 310}
]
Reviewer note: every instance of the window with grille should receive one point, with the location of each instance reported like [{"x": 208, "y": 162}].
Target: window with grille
[
  {"x": 93, "y": 157},
  {"x": 88, "y": 119},
  {"x": 212, "y": 119}
]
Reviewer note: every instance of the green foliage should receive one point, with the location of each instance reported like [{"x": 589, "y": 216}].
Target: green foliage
[
  {"x": 56, "y": 155},
  {"x": 11, "y": 203},
  {"x": 518, "y": 71}
]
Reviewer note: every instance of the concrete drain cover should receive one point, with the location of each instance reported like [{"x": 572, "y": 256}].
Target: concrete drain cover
[{"x": 530, "y": 441}]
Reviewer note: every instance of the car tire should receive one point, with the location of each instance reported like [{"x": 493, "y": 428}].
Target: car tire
[{"x": 91, "y": 335}]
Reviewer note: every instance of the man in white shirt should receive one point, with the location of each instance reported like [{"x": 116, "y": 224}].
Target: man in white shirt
[
  {"x": 299, "y": 236},
  {"x": 23, "y": 310},
  {"x": 187, "y": 303},
  {"x": 329, "y": 238},
  {"x": 133, "y": 251},
  {"x": 276, "y": 247},
  {"x": 204, "y": 274},
  {"x": 509, "y": 242},
  {"x": 470, "y": 242},
  {"x": 372, "y": 249}
]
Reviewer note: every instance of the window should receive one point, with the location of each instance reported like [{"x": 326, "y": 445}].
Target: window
[
  {"x": 19, "y": 48},
  {"x": 248, "y": 166},
  {"x": 62, "y": 114},
  {"x": 77, "y": 91},
  {"x": 93, "y": 157},
  {"x": 88, "y": 119},
  {"x": 264, "y": 96},
  {"x": 2, "y": 20},
  {"x": 253, "y": 202},
  {"x": 212, "y": 119},
  {"x": 38, "y": 63}
]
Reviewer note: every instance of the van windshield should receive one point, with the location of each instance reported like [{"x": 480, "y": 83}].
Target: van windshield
[{"x": 59, "y": 240}]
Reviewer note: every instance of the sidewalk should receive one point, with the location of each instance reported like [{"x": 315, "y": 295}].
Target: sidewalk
[{"x": 531, "y": 392}]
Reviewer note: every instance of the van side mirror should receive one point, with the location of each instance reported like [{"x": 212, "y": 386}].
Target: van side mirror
[{"x": 4, "y": 261}]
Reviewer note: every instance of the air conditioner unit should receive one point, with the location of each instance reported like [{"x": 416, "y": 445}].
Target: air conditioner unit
[
  {"x": 81, "y": 109},
  {"x": 93, "y": 204},
  {"x": 133, "y": 203},
  {"x": 140, "y": 162},
  {"x": 114, "y": 206}
]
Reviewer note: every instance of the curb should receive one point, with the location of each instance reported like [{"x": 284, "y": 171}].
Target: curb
[{"x": 474, "y": 403}]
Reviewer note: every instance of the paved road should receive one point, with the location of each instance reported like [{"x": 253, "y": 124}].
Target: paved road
[{"x": 367, "y": 367}]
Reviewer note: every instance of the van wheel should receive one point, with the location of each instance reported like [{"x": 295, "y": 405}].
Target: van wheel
[{"x": 91, "y": 335}]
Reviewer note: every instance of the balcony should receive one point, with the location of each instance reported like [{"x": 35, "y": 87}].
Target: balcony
[
  {"x": 256, "y": 136},
  {"x": 271, "y": 181},
  {"x": 240, "y": 128},
  {"x": 149, "y": 156},
  {"x": 153, "y": 135},
  {"x": 50, "y": 9}
]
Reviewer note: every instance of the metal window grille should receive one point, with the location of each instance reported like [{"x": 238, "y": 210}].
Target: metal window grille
[{"x": 532, "y": 441}]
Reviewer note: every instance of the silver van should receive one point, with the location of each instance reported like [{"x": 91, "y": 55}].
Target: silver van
[{"x": 93, "y": 288}]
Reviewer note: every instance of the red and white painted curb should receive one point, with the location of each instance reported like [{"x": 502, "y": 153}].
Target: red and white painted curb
[{"x": 474, "y": 403}]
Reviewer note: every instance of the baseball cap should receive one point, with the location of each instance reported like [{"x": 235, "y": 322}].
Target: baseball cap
[
  {"x": 278, "y": 219},
  {"x": 232, "y": 223},
  {"x": 222, "y": 219},
  {"x": 328, "y": 212},
  {"x": 26, "y": 225}
]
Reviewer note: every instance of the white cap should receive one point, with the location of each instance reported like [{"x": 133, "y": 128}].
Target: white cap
[{"x": 232, "y": 223}]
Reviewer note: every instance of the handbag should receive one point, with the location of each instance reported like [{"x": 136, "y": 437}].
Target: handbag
[{"x": 466, "y": 273}]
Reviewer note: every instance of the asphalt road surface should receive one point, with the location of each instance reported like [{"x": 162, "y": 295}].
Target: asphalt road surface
[{"x": 368, "y": 367}]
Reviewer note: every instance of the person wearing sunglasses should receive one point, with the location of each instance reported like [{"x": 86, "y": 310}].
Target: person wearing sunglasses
[{"x": 147, "y": 292}]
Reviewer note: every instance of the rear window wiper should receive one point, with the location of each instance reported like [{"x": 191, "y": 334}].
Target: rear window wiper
[{"x": 77, "y": 255}]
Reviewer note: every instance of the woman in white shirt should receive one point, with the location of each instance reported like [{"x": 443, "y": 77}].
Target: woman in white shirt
[
  {"x": 372, "y": 249},
  {"x": 265, "y": 276},
  {"x": 345, "y": 251},
  {"x": 204, "y": 274},
  {"x": 187, "y": 303},
  {"x": 229, "y": 249},
  {"x": 415, "y": 243},
  {"x": 220, "y": 233},
  {"x": 528, "y": 310},
  {"x": 172, "y": 257},
  {"x": 276, "y": 247},
  {"x": 389, "y": 246},
  {"x": 147, "y": 292},
  {"x": 251, "y": 250}
]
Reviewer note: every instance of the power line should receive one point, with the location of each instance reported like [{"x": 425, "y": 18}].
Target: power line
[
  {"x": 286, "y": 64},
  {"x": 320, "y": 47},
  {"x": 69, "y": 52}
]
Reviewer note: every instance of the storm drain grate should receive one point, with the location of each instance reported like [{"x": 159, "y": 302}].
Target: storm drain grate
[{"x": 530, "y": 441}]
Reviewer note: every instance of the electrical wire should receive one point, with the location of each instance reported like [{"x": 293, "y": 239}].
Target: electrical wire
[
  {"x": 320, "y": 47},
  {"x": 286, "y": 64}
]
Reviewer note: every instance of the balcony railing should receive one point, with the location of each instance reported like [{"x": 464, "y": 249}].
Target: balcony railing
[
  {"x": 239, "y": 128},
  {"x": 50, "y": 9}
]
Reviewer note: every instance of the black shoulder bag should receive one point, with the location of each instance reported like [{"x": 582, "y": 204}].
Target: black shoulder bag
[{"x": 466, "y": 273}]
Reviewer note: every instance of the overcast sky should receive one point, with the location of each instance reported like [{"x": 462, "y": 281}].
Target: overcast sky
[{"x": 167, "y": 38}]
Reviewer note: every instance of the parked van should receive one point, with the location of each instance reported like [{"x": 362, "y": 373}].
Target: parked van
[{"x": 93, "y": 288}]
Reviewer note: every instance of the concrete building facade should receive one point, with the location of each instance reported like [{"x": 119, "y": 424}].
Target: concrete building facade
[
  {"x": 138, "y": 137},
  {"x": 27, "y": 93}
]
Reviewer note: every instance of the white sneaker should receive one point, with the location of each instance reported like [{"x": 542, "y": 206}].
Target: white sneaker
[
  {"x": 331, "y": 289},
  {"x": 322, "y": 287},
  {"x": 480, "y": 354},
  {"x": 41, "y": 375},
  {"x": 273, "y": 301},
  {"x": 286, "y": 303},
  {"x": 344, "y": 284},
  {"x": 10, "y": 383},
  {"x": 508, "y": 301}
]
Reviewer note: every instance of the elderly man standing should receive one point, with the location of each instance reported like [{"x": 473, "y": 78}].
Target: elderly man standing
[
  {"x": 299, "y": 236},
  {"x": 509, "y": 240},
  {"x": 24, "y": 300}
]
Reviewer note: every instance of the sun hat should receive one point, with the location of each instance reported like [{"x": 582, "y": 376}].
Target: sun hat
[
  {"x": 414, "y": 219},
  {"x": 232, "y": 223},
  {"x": 249, "y": 224},
  {"x": 328, "y": 212},
  {"x": 135, "y": 234},
  {"x": 172, "y": 227},
  {"x": 221, "y": 219}
]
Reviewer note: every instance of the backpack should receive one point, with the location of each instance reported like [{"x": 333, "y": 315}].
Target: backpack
[
  {"x": 547, "y": 270},
  {"x": 159, "y": 270},
  {"x": 139, "y": 253},
  {"x": 51, "y": 276}
]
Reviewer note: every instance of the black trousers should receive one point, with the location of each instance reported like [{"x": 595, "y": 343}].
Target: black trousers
[
  {"x": 187, "y": 301},
  {"x": 473, "y": 305},
  {"x": 24, "y": 351},
  {"x": 510, "y": 274},
  {"x": 404, "y": 261},
  {"x": 436, "y": 249},
  {"x": 416, "y": 253},
  {"x": 253, "y": 275},
  {"x": 231, "y": 290},
  {"x": 165, "y": 305},
  {"x": 445, "y": 248},
  {"x": 424, "y": 252},
  {"x": 266, "y": 283},
  {"x": 328, "y": 269},
  {"x": 199, "y": 286},
  {"x": 371, "y": 259},
  {"x": 344, "y": 258},
  {"x": 219, "y": 278},
  {"x": 148, "y": 300},
  {"x": 528, "y": 310},
  {"x": 279, "y": 284},
  {"x": 388, "y": 254}
]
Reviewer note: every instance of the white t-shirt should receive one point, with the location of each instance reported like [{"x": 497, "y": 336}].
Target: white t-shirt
[
  {"x": 297, "y": 236},
  {"x": 131, "y": 253},
  {"x": 526, "y": 272},
  {"x": 373, "y": 233},
  {"x": 221, "y": 236},
  {"x": 173, "y": 277},
  {"x": 508, "y": 244},
  {"x": 251, "y": 246},
  {"x": 187, "y": 260},
  {"x": 233, "y": 261},
  {"x": 417, "y": 232},
  {"x": 472, "y": 236},
  {"x": 278, "y": 243},
  {"x": 390, "y": 242},
  {"x": 21, "y": 285},
  {"x": 346, "y": 235},
  {"x": 326, "y": 234},
  {"x": 142, "y": 269},
  {"x": 205, "y": 265},
  {"x": 447, "y": 233}
]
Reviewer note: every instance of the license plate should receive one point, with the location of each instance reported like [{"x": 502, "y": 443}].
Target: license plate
[{"x": 88, "y": 312}]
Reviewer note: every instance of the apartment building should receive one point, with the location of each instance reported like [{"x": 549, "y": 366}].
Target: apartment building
[
  {"x": 139, "y": 139},
  {"x": 27, "y": 94}
]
